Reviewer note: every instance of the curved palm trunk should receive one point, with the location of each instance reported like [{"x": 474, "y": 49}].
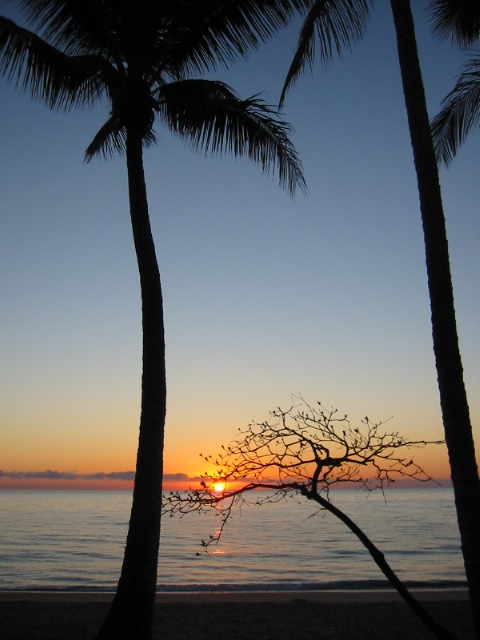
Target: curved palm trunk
[
  {"x": 131, "y": 613},
  {"x": 453, "y": 398}
]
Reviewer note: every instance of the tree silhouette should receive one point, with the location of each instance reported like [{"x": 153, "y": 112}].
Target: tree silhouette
[
  {"x": 308, "y": 450},
  {"x": 336, "y": 25},
  {"x": 142, "y": 58}
]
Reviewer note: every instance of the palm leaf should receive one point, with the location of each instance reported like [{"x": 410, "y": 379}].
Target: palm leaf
[
  {"x": 460, "y": 113},
  {"x": 74, "y": 26},
  {"x": 110, "y": 139},
  {"x": 337, "y": 24},
  {"x": 203, "y": 33},
  {"x": 50, "y": 75},
  {"x": 456, "y": 19},
  {"x": 211, "y": 116}
]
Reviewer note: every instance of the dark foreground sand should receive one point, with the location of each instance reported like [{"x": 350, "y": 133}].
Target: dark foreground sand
[{"x": 235, "y": 617}]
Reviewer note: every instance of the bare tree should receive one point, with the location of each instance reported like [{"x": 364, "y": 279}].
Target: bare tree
[{"x": 307, "y": 450}]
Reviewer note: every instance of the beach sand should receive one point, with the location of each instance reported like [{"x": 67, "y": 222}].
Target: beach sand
[{"x": 237, "y": 616}]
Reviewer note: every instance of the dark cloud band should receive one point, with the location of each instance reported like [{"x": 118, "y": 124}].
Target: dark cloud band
[{"x": 48, "y": 474}]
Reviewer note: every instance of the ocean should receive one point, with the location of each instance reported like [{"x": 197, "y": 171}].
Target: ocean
[{"x": 73, "y": 541}]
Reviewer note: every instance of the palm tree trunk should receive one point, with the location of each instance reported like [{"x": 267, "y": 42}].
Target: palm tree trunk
[
  {"x": 131, "y": 613},
  {"x": 453, "y": 397}
]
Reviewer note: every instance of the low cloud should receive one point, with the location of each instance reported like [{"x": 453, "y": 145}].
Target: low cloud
[
  {"x": 176, "y": 477},
  {"x": 114, "y": 475},
  {"x": 48, "y": 474}
]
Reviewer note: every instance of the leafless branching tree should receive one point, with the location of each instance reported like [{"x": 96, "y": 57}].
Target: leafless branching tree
[{"x": 306, "y": 450}]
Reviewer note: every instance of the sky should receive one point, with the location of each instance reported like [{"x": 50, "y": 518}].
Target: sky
[{"x": 323, "y": 295}]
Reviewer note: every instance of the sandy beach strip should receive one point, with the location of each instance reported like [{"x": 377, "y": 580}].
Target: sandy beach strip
[
  {"x": 324, "y": 615},
  {"x": 323, "y": 595}
]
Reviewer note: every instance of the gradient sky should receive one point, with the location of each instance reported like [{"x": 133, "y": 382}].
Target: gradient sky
[{"x": 265, "y": 296}]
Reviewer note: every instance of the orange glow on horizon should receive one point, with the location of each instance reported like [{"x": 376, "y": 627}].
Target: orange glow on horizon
[
  {"x": 181, "y": 474},
  {"x": 44, "y": 484}
]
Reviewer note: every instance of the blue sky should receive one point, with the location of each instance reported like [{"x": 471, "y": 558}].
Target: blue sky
[{"x": 265, "y": 296}]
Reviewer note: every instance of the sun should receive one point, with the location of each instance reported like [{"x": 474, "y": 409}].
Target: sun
[{"x": 219, "y": 487}]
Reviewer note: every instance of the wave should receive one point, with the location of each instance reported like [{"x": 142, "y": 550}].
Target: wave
[{"x": 340, "y": 585}]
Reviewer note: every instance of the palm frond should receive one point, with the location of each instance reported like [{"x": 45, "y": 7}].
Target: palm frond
[
  {"x": 337, "y": 24},
  {"x": 211, "y": 116},
  {"x": 73, "y": 26},
  {"x": 459, "y": 115},
  {"x": 51, "y": 76},
  {"x": 110, "y": 139},
  {"x": 456, "y": 19},
  {"x": 203, "y": 33},
  {"x": 304, "y": 54}
]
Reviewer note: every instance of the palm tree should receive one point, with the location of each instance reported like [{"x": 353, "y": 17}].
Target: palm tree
[
  {"x": 340, "y": 23},
  {"x": 460, "y": 112},
  {"x": 143, "y": 57}
]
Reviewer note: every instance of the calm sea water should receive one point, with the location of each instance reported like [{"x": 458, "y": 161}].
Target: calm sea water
[{"x": 74, "y": 541}]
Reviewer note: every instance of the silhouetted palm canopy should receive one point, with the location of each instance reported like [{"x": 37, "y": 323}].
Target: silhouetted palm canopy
[
  {"x": 143, "y": 57},
  {"x": 460, "y": 113}
]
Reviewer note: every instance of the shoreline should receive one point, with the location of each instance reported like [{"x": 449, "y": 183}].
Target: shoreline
[{"x": 334, "y": 596}]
